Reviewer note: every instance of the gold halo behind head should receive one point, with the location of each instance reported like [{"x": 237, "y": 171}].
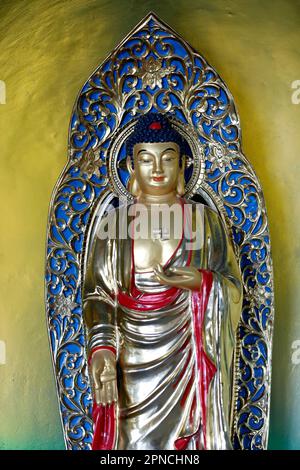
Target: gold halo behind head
[{"x": 187, "y": 132}]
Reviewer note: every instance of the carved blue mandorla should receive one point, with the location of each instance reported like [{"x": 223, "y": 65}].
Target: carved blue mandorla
[{"x": 153, "y": 69}]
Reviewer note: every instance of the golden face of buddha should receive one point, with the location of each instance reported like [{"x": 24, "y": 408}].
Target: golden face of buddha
[{"x": 156, "y": 167}]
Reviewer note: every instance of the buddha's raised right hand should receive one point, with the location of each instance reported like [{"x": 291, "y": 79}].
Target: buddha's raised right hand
[{"x": 104, "y": 374}]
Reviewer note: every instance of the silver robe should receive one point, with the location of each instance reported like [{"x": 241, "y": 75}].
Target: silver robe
[{"x": 159, "y": 399}]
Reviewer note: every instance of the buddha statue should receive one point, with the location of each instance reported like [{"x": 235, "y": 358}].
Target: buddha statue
[{"x": 161, "y": 306}]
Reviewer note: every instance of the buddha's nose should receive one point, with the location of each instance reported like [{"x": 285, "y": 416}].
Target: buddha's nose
[{"x": 157, "y": 170}]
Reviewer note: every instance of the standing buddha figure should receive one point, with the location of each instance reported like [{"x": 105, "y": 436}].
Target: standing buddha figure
[{"x": 161, "y": 308}]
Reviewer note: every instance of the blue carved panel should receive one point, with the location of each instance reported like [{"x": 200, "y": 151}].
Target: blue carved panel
[{"x": 154, "y": 70}]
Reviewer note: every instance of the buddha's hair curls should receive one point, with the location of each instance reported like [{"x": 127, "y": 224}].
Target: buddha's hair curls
[{"x": 156, "y": 127}]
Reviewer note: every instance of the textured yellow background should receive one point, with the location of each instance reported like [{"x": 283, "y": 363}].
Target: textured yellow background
[{"x": 48, "y": 49}]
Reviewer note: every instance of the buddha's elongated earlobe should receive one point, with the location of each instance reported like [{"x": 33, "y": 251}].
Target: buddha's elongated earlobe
[
  {"x": 133, "y": 186},
  {"x": 180, "y": 190}
]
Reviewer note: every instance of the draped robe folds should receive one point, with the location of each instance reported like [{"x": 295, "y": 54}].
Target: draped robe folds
[{"x": 174, "y": 347}]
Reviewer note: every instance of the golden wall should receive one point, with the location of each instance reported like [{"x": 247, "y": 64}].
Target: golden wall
[{"x": 48, "y": 50}]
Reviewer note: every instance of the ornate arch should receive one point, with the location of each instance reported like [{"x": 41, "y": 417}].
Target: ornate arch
[{"x": 153, "y": 69}]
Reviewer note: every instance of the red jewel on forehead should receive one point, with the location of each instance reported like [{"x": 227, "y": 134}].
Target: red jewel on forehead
[{"x": 155, "y": 126}]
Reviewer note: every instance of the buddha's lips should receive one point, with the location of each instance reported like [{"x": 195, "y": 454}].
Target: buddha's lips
[{"x": 158, "y": 178}]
